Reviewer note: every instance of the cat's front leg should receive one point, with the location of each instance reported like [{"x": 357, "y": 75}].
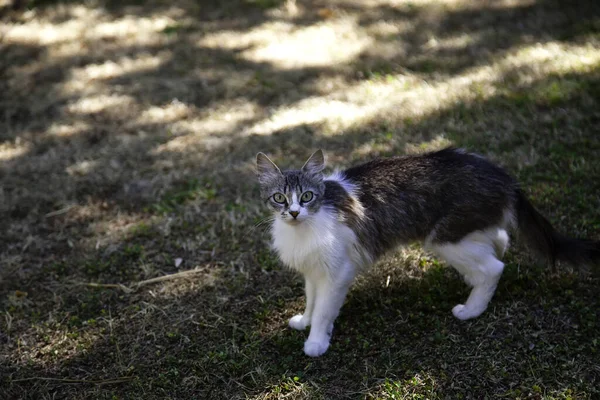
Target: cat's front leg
[
  {"x": 301, "y": 321},
  {"x": 330, "y": 295}
]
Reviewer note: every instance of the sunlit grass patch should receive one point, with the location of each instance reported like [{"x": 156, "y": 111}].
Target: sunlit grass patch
[
  {"x": 420, "y": 386},
  {"x": 292, "y": 387},
  {"x": 548, "y": 93}
]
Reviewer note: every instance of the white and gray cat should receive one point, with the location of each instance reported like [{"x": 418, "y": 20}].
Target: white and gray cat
[{"x": 458, "y": 204}]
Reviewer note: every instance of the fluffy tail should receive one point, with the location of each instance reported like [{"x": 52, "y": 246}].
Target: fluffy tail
[{"x": 547, "y": 242}]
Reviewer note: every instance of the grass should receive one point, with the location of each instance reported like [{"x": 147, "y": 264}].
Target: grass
[{"x": 129, "y": 131}]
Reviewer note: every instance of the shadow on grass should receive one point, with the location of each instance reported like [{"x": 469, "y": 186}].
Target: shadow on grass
[
  {"x": 443, "y": 41},
  {"x": 230, "y": 341},
  {"x": 202, "y": 79},
  {"x": 221, "y": 334},
  {"x": 433, "y": 41}
]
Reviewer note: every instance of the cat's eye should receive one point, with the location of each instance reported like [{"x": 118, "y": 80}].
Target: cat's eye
[
  {"x": 279, "y": 198},
  {"x": 306, "y": 197}
]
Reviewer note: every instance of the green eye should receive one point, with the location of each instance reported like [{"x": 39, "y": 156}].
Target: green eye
[
  {"x": 306, "y": 197},
  {"x": 279, "y": 198}
]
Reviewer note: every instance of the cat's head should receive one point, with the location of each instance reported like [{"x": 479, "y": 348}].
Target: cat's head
[{"x": 293, "y": 195}]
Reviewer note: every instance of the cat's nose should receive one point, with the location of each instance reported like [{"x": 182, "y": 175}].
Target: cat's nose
[{"x": 294, "y": 214}]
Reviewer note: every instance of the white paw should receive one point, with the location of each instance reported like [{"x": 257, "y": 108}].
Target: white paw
[
  {"x": 315, "y": 349},
  {"x": 462, "y": 312},
  {"x": 298, "y": 322}
]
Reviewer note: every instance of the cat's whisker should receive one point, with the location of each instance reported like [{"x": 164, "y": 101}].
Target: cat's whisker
[{"x": 262, "y": 224}]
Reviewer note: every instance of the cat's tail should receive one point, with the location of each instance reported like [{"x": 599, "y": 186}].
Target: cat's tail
[{"x": 542, "y": 238}]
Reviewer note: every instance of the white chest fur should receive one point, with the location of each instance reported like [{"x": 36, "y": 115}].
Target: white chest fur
[{"x": 321, "y": 242}]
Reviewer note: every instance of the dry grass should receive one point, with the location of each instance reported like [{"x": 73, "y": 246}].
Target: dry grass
[{"x": 128, "y": 136}]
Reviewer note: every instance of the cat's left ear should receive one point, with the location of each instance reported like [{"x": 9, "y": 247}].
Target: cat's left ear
[{"x": 315, "y": 163}]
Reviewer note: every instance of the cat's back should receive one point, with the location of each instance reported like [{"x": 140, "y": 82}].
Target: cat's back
[
  {"x": 429, "y": 169},
  {"x": 404, "y": 198}
]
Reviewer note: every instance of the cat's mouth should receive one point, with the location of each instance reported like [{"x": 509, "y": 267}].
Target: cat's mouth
[{"x": 292, "y": 221}]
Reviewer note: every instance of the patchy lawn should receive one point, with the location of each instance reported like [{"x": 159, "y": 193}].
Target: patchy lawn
[{"x": 127, "y": 140}]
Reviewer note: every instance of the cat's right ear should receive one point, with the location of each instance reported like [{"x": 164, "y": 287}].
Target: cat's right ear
[
  {"x": 265, "y": 167},
  {"x": 315, "y": 163}
]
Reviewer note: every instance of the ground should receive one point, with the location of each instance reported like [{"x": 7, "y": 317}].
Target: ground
[{"x": 127, "y": 141}]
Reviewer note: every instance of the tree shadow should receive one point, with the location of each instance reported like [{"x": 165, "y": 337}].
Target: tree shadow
[
  {"x": 222, "y": 334},
  {"x": 443, "y": 41},
  {"x": 124, "y": 172}
]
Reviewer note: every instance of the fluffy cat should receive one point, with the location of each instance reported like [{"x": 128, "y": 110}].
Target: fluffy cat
[{"x": 458, "y": 204}]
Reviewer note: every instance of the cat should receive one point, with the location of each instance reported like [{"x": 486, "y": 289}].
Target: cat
[{"x": 458, "y": 204}]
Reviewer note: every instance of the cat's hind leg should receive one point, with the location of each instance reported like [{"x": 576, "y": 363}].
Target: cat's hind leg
[
  {"x": 501, "y": 241},
  {"x": 474, "y": 257}
]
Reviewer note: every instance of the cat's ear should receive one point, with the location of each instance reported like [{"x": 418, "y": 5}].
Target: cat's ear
[
  {"x": 265, "y": 167},
  {"x": 315, "y": 164}
]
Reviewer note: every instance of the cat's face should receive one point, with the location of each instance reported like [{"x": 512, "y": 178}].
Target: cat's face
[{"x": 294, "y": 196}]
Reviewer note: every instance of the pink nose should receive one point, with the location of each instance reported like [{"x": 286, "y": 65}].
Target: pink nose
[{"x": 294, "y": 213}]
